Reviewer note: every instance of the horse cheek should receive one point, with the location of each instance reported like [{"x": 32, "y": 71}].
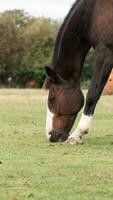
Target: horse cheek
[{"x": 57, "y": 123}]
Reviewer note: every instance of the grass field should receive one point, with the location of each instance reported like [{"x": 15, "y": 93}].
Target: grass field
[{"x": 33, "y": 169}]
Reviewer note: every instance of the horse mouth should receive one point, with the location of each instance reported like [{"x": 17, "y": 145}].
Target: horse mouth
[{"x": 58, "y": 137}]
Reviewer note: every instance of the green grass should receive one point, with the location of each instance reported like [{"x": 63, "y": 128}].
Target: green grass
[{"x": 31, "y": 168}]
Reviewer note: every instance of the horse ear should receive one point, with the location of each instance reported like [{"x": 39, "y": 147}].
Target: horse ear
[{"x": 52, "y": 74}]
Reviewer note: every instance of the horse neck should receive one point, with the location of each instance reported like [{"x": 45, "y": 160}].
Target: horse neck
[
  {"x": 70, "y": 62},
  {"x": 72, "y": 42}
]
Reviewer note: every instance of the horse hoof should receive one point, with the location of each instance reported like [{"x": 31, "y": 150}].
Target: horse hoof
[{"x": 73, "y": 140}]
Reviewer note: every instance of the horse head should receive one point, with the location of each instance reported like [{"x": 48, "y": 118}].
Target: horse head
[{"x": 64, "y": 102}]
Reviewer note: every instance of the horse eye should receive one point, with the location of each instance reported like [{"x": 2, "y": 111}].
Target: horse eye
[{"x": 52, "y": 98}]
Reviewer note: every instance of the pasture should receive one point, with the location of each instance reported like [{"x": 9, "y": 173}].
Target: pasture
[{"x": 31, "y": 168}]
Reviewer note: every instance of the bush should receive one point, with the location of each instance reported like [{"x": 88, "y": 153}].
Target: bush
[{"x": 26, "y": 46}]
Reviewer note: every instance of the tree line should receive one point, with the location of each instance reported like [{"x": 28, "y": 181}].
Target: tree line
[{"x": 26, "y": 47}]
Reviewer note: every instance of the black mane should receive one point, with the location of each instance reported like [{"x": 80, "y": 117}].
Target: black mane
[{"x": 62, "y": 30}]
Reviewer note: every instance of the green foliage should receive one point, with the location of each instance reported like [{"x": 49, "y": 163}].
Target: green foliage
[
  {"x": 25, "y": 75},
  {"x": 87, "y": 69},
  {"x": 26, "y": 47}
]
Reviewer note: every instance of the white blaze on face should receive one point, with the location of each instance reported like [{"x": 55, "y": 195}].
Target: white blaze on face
[{"x": 49, "y": 122}]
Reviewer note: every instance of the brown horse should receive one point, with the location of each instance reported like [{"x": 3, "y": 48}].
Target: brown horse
[{"x": 89, "y": 23}]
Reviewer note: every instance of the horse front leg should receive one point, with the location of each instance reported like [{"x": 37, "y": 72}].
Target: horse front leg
[{"x": 102, "y": 68}]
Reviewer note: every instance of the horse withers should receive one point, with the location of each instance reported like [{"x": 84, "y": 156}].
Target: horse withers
[{"x": 89, "y": 23}]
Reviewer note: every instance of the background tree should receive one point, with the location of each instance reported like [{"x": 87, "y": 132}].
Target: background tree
[{"x": 26, "y": 47}]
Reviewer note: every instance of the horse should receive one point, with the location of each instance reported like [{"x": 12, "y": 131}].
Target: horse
[
  {"x": 89, "y": 23},
  {"x": 31, "y": 83}
]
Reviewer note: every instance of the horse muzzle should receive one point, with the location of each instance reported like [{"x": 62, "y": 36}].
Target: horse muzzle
[{"x": 58, "y": 136}]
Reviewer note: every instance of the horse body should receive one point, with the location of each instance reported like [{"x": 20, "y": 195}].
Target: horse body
[
  {"x": 102, "y": 23},
  {"x": 88, "y": 24}
]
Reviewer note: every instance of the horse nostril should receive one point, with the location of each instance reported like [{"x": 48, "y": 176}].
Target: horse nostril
[
  {"x": 52, "y": 132},
  {"x": 54, "y": 136},
  {"x": 51, "y": 139}
]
